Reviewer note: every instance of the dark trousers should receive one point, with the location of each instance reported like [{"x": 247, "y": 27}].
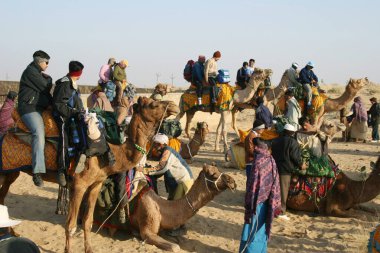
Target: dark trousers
[
  {"x": 63, "y": 144},
  {"x": 284, "y": 185},
  {"x": 119, "y": 94},
  {"x": 120, "y": 180},
  {"x": 199, "y": 89},
  {"x": 375, "y": 131},
  {"x": 213, "y": 95}
]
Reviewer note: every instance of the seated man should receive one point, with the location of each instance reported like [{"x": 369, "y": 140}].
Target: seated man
[
  {"x": 6, "y": 120},
  {"x": 178, "y": 175},
  {"x": 242, "y": 76},
  {"x": 198, "y": 76},
  {"x": 9, "y": 243},
  {"x": 307, "y": 79},
  {"x": 105, "y": 79},
  {"x": 120, "y": 79}
]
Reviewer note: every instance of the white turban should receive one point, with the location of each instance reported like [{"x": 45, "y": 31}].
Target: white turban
[
  {"x": 161, "y": 138},
  {"x": 290, "y": 127}
]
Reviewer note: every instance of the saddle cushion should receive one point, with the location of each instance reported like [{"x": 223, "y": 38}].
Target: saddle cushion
[
  {"x": 189, "y": 99},
  {"x": 17, "y": 155},
  {"x": 51, "y": 129}
]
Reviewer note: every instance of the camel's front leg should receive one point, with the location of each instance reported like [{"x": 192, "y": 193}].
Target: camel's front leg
[
  {"x": 217, "y": 136},
  {"x": 89, "y": 215},
  {"x": 76, "y": 195},
  {"x": 233, "y": 120},
  {"x": 159, "y": 242},
  {"x": 189, "y": 117},
  {"x": 223, "y": 119}
]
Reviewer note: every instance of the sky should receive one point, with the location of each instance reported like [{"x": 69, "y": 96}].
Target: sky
[{"x": 341, "y": 37}]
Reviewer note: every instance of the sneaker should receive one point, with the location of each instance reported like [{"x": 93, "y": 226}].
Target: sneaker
[
  {"x": 122, "y": 216},
  {"x": 111, "y": 159},
  {"x": 374, "y": 141},
  {"x": 284, "y": 217},
  {"x": 61, "y": 179},
  {"x": 37, "y": 180}
]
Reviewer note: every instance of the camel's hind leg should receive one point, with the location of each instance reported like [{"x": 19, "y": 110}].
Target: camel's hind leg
[
  {"x": 89, "y": 215},
  {"x": 5, "y": 182},
  {"x": 76, "y": 195},
  {"x": 233, "y": 120},
  {"x": 217, "y": 135}
]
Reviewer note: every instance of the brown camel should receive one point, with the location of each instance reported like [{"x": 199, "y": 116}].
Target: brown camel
[
  {"x": 256, "y": 79},
  {"x": 145, "y": 121},
  {"x": 188, "y": 150},
  {"x": 345, "y": 194},
  {"x": 154, "y": 213}
]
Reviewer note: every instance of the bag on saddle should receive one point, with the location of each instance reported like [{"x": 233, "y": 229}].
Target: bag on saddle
[
  {"x": 188, "y": 71},
  {"x": 96, "y": 141},
  {"x": 114, "y": 133},
  {"x": 110, "y": 90},
  {"x": 171, "y": 127},
  {"x": 223, "y": 76}
]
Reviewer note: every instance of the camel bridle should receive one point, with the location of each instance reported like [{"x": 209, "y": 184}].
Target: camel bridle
[{"x": 214, "y": 182}]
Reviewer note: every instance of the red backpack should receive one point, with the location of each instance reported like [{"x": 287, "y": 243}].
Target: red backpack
[{"x": 188, "y": 71}]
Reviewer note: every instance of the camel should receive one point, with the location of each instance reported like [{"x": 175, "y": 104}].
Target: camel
[
  {"x": 345, "y": 194},
  {"x": 330, "y": 105},
  {"x": 189, "y": 150},
  {"x": 147, "y": 116},
  {"x": 256, "y": 79},
  {"x": 154, "y": 213}
]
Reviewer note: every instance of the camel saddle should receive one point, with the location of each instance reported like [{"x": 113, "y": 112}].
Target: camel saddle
[
  {"x": 51, "y": 129},
  {"x": 189, "y": 99}
]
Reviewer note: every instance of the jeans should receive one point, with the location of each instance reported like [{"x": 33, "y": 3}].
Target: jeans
[
  {"x": 199, "y": 88},
  {"x": 309, "y": 94},
  {"x": 35, "y": 124},
  {"x": 375, "y": 131}
]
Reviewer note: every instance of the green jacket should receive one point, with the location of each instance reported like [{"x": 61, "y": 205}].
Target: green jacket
[{"x": 119, "y": 74}]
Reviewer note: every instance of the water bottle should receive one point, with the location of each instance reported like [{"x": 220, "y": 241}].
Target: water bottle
[{"x": 74, "y": 131}]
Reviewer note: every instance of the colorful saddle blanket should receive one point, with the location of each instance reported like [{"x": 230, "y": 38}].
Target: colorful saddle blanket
[
  {"x": 17, "y": 155},
  {"x": 374, "y": 241},
  {"x": 189, "y": 99},
  {"x": 317, "y": 187},
  {"x": 51, "y": 129}
]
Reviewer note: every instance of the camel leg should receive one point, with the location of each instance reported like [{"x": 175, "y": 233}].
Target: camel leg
[
  {"x": 159, "y": 242},
  {"x": 233, "y": 123},
  {"x": 7, "y": 180},
  {"x": 224, "y": 130},
  {"x": 189, "y": 117},
  {"x": 217, "y": 136},
  {"x": 76, "y": 195},
  {"x": 89, "y": 215}
]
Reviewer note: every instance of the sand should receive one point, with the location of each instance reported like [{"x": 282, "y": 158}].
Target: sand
[{"x": 217, "y": 226}]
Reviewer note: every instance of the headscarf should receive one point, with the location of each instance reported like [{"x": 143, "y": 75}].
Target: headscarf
[
  {"x": 360, "y": 113},
  {"x": 161, "y": 138}
]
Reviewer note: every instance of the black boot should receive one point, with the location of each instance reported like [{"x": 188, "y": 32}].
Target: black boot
[
  {"x": 61, "y": 178},
  {"x": 37, "y": 180},
  {"x": 111, "y": 158}
]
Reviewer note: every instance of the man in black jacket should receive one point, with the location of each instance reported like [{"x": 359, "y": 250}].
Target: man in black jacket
[
  {"x": 287, "y": 153},
  {"x": 374, "y": 115},
  {"x": 33, "y": 98},
  {"x": 67, "y": 112}
]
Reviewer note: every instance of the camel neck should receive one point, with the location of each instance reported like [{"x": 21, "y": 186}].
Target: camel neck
[{"x": 195, "y": 143}]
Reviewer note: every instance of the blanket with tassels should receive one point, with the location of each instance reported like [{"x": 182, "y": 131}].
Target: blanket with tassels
[{"x": 263, "y": 184}]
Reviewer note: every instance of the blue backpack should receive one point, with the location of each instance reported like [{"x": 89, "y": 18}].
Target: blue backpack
[
  {"x": 110, "y": 90},
  {"x": 223, "y": 76}
]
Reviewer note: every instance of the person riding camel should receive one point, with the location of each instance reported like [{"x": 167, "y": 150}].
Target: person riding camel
[
  {"x": 120, "y": 79},
  {"x": 159, "y": 92},
  {"x": 68, "y": 112},
  {"x": 33, "y": 98},
  {"x": 307, "y": 79},
  {"x": 210, "y": 75},
  {"x": 177, "y": 174},
  {"x": 198, "y": 76},
  {"x": 125, "y": 111},
  {"x": 6, "y": 120},
  {"x": 98, "y": 99},
  {"x": 242, "y": 76},
  {"x": 293, "y": 110},
  {"x": 106, "y": 77},
  {"x": 293, "y": 76},
  {"x": 251, "y": 67}
]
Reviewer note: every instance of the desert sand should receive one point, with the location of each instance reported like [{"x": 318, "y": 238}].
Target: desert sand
[{"x": 217, "y": 226}]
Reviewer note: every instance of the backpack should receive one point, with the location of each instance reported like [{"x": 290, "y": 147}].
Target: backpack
[
  {"x": 114, "y": 135},
  {"x": 171, "y": 128},
  {"x": 188, "y": 71},
  {"x": 223, "y": 76},
  {"x": 110, "y": 90}
]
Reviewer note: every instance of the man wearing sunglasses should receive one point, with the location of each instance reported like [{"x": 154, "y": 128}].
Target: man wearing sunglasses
[{"x": 33, "y": 98}]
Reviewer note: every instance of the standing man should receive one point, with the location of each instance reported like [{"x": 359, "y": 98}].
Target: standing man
[
  {"x": 293, "y": 110},
  {"x": 198, "y": 77},
  {"x": 374, "y": 115},
  {"x": 120, "y": 79},
  {"x": 287, "y": 153},
  {"x": 263, "y": 113},
  {"x": 293, "y": 75},
  {"x": 307, "y": 79},
  {"x": 67, "y": 108},
  {"x": 33, "y": 98},
  {"x": 242, "y": 76},
  {"x": 211, "y": 73}
]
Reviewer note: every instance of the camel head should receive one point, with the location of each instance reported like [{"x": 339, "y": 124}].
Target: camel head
[
  {"x": 261, "y": 74},
  {"x": 202, "y": 130},
  {"x": 217, "y": 181},
  {"x": 331, "y": 128},
  {"x": 357, "y": 84},
  {"x": 154, "y": 111}
]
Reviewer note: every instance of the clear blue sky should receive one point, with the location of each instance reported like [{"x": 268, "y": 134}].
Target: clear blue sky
[{"x": 341, "y": 37}]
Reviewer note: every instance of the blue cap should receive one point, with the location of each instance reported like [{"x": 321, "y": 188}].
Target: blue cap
[{"x": 310, "y": 63}]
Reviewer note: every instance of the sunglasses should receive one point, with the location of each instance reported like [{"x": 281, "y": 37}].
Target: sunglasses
[{"x": 47, "y": 62}]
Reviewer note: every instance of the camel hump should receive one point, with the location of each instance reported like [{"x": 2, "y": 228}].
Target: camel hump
[{"x": 51, "y": 129}]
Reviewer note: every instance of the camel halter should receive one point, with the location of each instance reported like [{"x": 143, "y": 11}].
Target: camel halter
[
  {"x": 214, "y": 182},
  {"x": 191, "y": 206}
]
